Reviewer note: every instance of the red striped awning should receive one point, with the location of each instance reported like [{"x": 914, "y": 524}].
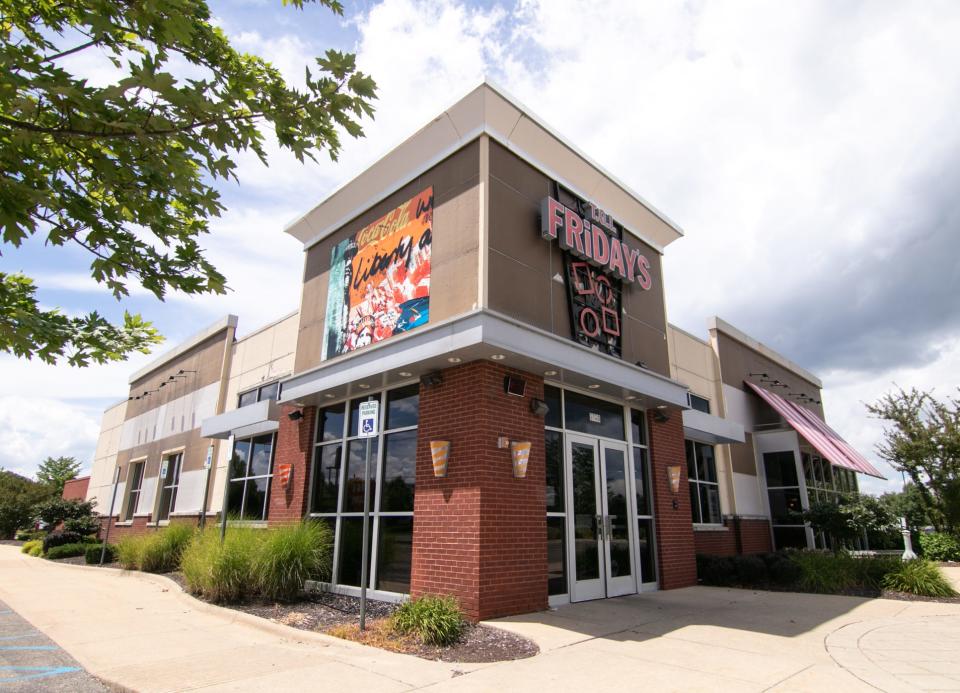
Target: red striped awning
[{"x": 816, "y": 432}]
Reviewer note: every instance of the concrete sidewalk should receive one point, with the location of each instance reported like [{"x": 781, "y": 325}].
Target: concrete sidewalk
[{"x": 142, "y": 633}]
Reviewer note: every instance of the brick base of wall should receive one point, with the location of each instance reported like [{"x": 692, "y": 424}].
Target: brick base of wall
[
  {"x": 739, "y": 536},
  {"x": 294, "y": 446},
  {"x": 140, "y": 526}
]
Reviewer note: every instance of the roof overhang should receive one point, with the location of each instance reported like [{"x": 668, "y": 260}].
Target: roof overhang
[
  {"x": 489, "y": 110},
  {"x": 251, "y": 420},
  {"x": 482, "y": 335},
  {"x": 711, "y": 429}
]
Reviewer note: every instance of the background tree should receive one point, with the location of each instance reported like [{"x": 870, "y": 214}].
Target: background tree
[
  {"x": 56, "y": 471},
  {"x": 849, "y": 517},
  {"x": 126, "y": 170},
  {"x": 18, "y": 496},
  {"x": 924, "y": 443},
  {"x": 76, "y": 515}
]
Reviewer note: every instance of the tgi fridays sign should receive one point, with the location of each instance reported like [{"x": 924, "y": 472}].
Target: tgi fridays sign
[{"x": 593, "y": 241}]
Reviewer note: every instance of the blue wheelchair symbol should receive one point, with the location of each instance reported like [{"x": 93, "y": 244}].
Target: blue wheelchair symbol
[{"x": 368, "y": 425}]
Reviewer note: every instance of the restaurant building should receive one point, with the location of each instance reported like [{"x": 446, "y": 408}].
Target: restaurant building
[{"x": 544, "y": 435}]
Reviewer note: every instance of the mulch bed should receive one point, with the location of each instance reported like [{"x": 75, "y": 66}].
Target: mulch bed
[{"x": 323, "y": 612}]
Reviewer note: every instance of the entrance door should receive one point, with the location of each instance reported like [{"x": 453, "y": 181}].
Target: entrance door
[{"x": 601, "y": 521}]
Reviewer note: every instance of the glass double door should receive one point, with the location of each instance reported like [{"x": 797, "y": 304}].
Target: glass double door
[{"x": 601, "y": 523}]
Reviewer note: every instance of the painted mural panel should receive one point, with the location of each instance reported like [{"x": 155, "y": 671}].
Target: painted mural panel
[{"x": 380, "y": 278}]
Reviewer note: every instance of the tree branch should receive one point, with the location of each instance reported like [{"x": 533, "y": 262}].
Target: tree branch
[
  {"x": 31, "y": 127},
  {"x": 75, "y": 49}
]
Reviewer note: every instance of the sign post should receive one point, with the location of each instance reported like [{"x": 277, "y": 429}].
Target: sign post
[
  {"x": 113, "y": 499},
  {"x": 369, "y": 418},
  {"x": 207, "y": 464}
]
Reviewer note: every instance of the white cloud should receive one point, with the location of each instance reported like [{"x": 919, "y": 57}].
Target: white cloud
[{"x": 33, "y": 428}]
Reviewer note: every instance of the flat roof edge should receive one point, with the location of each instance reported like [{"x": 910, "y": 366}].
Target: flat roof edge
[
  {"x": 720, "y": 325},
  {"x": 226, "y": 321}
]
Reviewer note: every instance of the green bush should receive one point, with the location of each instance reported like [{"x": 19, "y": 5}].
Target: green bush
[
  {"x": 30, "y": 534},
  {"x": 437, "y": 620},
  {"x": 222, "y": 572},
  {"x": 29, "y": 547},
  {"x": 59, "y": 539},
  {"x": 825, "y": 572},
  {"x": 718, "y": 571},
  {"x": 940, "y": 546},
  {"x": 162, "y": 551},
  {"x": 66, "y": 551},
  {"x": 290, "y": 555},
  {"x": 129, "y": 551},
  {"x": 93, "y": 554},
  {"x": 920, "y": 577},
  {"x": 82, "y": 525},
  {"x": 751, "y": 571},
  {"x": 869, "y": 571},
  {"x": 781, "y": 571},
  {"x": 155, "y": 552}
]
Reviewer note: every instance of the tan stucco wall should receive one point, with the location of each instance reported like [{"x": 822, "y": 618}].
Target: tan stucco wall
[{"x": 100, "y": 487}]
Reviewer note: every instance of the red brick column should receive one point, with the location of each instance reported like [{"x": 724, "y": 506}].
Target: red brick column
[
  {"x": 294, "y": 446},
  {"x": 675, "y": 542},
  {"x": 479, "y": 534}
]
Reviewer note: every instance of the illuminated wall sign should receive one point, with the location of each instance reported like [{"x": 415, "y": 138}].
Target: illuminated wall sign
[{"x": 591, "y": 236}]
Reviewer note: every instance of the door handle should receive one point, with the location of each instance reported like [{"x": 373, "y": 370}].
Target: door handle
[
  {"x": 600, "y": 525},
  {"x": 608, "y": 526}
]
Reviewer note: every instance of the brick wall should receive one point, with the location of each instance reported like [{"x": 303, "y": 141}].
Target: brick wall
[
  {"x": 294, "y": 445},
  {"x": 76, "y": 489},
  {"x": 479, "y": 534},
  {"x": 675, "y": 542},
  {"x": 741, "y": 536},
  {"x": 140, "y": 526}
]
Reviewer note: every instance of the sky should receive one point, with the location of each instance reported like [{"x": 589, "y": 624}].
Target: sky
[{"x": 809, "y": 150}]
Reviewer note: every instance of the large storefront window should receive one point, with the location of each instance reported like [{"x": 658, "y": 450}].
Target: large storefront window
[
  {"x": 825, "y": 483},
  {"x": 337, "y": 487},
  {"x": 704, "y": 486},
  {"x": 783, "y": 493},
  {"x": 251, "y": 468}
]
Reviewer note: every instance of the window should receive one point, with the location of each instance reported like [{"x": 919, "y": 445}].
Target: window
[
  {"x": 704, "y": 487},
  {"x": 699, "y": 403},
  {"x": 169, "y": 482},
  {"x": 258, "y": 394},
  {"x": 641, "y": 485},
  {"x": 251, "y": 468},
  {"x": 784, "y": 497},
  {"x": 337, "y": 487},
  {"x": 134, "y": 482}
]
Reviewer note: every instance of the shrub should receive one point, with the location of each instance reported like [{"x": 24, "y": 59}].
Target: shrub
[
  {"x": 921, "y": 577},
  {"x": 290, "y": 555},
  {"x": 869, "y": 571},
  {"x": 751, "y": 571},
  {"x": 55, "y": 510},
  {"x": 222, "y": 572},
  {"x": 825, "y": 572},
  {"x": 161, "y": 550},
  {"x": 93, "y": 554},
  {"x": 37, "y": 551},
  {"x": 31, "y": 545},
  {"x": 66, "y": 551},
  {"x": 437, "y": 620},
  {"x": 716, "y": 570},
  {"x": 129, "y": 551},
  {"x": 30, "y": 534},
  {"x": 82, "y": 525},
  {"x": 940, "y": 546},
  {"x": 781, "y": 571},
  {"x": 59, "y": 539}
]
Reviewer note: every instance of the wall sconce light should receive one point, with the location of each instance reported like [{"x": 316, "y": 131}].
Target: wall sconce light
[
  {"x": 762, "y": 375},
  {"x": 513, "y": 385},
  {"x": 673, "y": 476},
  {"x": 660, "y": 415},
  {"x": 431, "y": 379},
  {"x": 539, "y": 407},
  {"x": 440, "y": 452},
  {"x": 520, "y": 453},
  {"x": 295, "y": 415}
]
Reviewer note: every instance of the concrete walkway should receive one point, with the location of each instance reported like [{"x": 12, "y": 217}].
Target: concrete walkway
[{"x": 142, "y": 633}]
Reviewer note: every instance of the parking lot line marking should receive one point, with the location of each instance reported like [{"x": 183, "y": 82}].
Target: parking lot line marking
[
  {"x": 18, "y": 637},
  {"x": 38, "y": 672},
  {"x": 29, "y": 647}
]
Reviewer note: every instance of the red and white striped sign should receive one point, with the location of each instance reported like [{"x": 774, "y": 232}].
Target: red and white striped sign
[{"x": 284, "y": 472}]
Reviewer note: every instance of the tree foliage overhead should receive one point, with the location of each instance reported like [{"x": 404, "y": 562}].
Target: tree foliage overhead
[
  {"x": 924, "y": 443},
  {"x": 126, "y": 170},
  {"x": 57, "y": 471}
]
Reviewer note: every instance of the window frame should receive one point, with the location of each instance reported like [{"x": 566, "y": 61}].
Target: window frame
[
  {"x": 697, "y": 482},
  {"x": 338, "y": 517},
  {"x": 248, "y": 477},
  {"x": 166, "y": 455},
  {"x": 130, "y": 507},
  {"x": 259, "y": 390}
]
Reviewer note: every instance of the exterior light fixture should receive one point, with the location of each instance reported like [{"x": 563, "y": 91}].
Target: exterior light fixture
[
  {"x": 498, "y": 357},
  {"x": 440, "y": 452},
  {"x": 404, "y": 374},
  {"x": 549, "y": 373},
  {"x": 539, "y": 407},
  {"x": 520, "y": 454},
  {"x": 630, "y": 398},
  {"x": 295, "y": 415},
  {"x": 673, "y": 477},
  {"x": 363, "y": 386},
  {"x": 454, "y": 359},
  {"x": 593, "y": 386},
  {"x": 660, "y": 414},
  {"x": 329, "y": 395},
  {"x": 513, "y": 385},
  {"x": 762, "y": 375},
  {"x": 431, "y": 379}
]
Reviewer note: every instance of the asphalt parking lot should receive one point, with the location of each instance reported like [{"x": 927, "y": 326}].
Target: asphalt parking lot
[{"x": 30, "y": 661}]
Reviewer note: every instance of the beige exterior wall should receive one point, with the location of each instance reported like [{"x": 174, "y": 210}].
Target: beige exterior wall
[
  {"x": 694, "y": 363},
  {"x": 100, "y": 487},
  {"x": 259, "y": 358}
]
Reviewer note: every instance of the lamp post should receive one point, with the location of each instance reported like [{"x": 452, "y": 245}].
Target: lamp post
[{"x": 113, "y": 499}]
